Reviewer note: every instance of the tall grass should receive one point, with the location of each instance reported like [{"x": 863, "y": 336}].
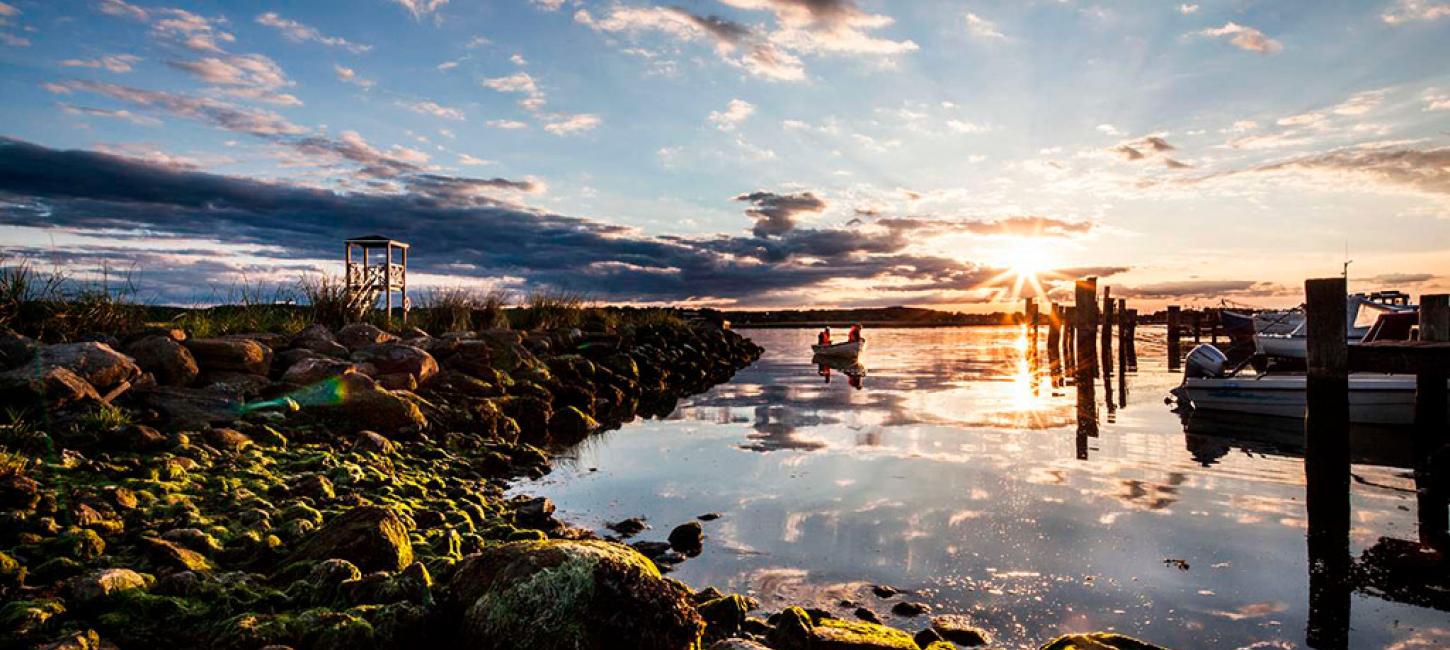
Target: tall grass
[
  {"x": 549, "y": 309},
  {"x": 460, "y": 309},
  {"x": 247, "y": 307},
  {"x": 55, "y": 306},
  {"x": 326, "y": 297}
]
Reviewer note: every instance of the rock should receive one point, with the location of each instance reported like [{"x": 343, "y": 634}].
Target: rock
[
  {"x": 96, "y": 363},
  {"x": 313, "y": 370},
  {"x": 195, "y": 539},
  {"x": 327, "y": 578},
  {"x": 724, "y": 615},
  {"x": 319, "y": 339},
  {"x": 15, "y": 350},
  {"x": 356, "y": 403},
  {"x": 225, "y": 439},
  {"x": 356, "y": 336},
  {"x": 737, "y": 644},
  {"x": 532, "y": 415},
  {"x": 138, "y": 437},
  {"x": 169, "y": 555},
  {"x": 628, "y": 527},
  {"x": 398, "y": 358},
  {"x": 651, "y": 550},
  {"x": 315, "y": 486},
  {"x": 166, "y": 359},
  {"x": 190, "y": 406},
  {"x": 592, "y": 594},
  {"x": 242, "y": 384},
  {"x": 884, "y": 591},
  {"x": 909, "y": 609},
  {"x": 398, "y": 381},
  {"x": 570, "y": 423},
  {"x": 104, "y": 584},
  {"x": 687, "y": 538},
  {"x": 51, "y": 388},
  {"x": 867, "y": 615},
  {"x": 927, "y": 637},
  {"x": 709, "y": 516},
  {"x": 371, "y": 537},
  {"x": 959, "y": 630},
  {"x": 1098, "y": 641},
  {"x": 373, "y": 442},
  {"x": 533, "y": 512},
  {"x": 83, "y": 640},
  {"x": 235, "y": 355},
  {"x": 19, "y": 492}
]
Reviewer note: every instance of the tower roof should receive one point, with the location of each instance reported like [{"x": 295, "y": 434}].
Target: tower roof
[{"x": 376, "y": 241}]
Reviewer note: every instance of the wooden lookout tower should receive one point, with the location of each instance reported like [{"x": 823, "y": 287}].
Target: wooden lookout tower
[{"x": 373, "y": 278}]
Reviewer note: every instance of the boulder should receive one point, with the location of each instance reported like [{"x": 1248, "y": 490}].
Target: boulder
[
  {"x": 311, "y": 371},
  {"x": 398, "y": 358},
  {"x": 355, "y": 402},
  {"x": 242, "y": 384},
  {"x": 319, "y": 339},
  {"x": 470, "y": 358},
  {"x": 225, "y": 439},
  {"x": 373, "y": 442},
  {"x": 628, "y": 527},
  {"x": 687, "y": 538},
  {"x": 570, "y": 423},
  {"x": 190, "y": 406},
  {"x": 959, "y": 630},
  {"x": 725, "y": 615},
  {"x": 398, "y": 381},
  {"x": 51, "y": 388},
  {"x": 1098, "y": 641},
  {"x": 909, "y": 609},
  {"x": 795, "y": 630},
  {"x": 316, "y": 487},
  {"x": 356, "y": 336},
  {"x": 235, "y": 355},
  {"x": 170, "y": 555},
  {"x": 166, "y": 359},
  {"x": 373, "y": 538},
  {"x": 737, "y": 644},
  {"x": 557, "y": 595},
  {"x": 96, "y": 363},
  {"x": 16, "y": 350},
  {"x": 104, "y": 584}
]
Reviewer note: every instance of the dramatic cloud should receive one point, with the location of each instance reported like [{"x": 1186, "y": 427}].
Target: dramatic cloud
[
  {"x": 432, "y": 108},
  {"x": 1015, "y": 226},
  {"x": 249, "y": 76},
  {"x": 118, "y": 63},
  {"x": 738, "y": 111},
  {"x": 775, "y": 213},
  {"x": 348, "y": 75},
  {"x": 300, "y": 33},
  {"x": 442, "y": 216},
  {"x": 1201, "y": 289},
  {"x": 814, "y": 26},
  {"x": 1244, "y": 38},
  {"x": 204, "y": 109},
  {"x": 1405, "y": 11},
  {"x": 1425, "y": 170},
  {"x": 191, "y": 30},
  {"x": 733, "y": 42}
]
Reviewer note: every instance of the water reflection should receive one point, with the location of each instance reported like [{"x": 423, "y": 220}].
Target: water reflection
[{"x": 967, "y": 470}]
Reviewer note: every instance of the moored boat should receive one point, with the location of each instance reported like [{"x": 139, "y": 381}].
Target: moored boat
[{"x": 847, "y": 350}]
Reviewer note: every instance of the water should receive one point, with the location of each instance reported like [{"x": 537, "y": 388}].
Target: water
[{"x": 957, "y": 472}]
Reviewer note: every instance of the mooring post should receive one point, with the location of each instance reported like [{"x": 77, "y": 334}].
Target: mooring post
[
  {"x": 1054, "y": 340},
  {"x": 1431, "y": 429},
  {"x": 1031, "y": 312},
  {"x": 1087, "y": 324},
  {"x": 1198, "y": 326},
  {"x": 1069, "y": 339},
  {"x": 1122, "y": 336},
  {"x": 1133, "y": 339},
  {"x": 1326, "y": 461},
  {"x": 1175, "y": 356},
  {"x": 1109, "y": 315}
]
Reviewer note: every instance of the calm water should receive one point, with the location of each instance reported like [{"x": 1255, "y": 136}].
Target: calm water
[{"x": 959, "y": 473}]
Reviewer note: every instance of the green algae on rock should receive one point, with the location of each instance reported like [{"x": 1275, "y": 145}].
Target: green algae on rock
[{"x": 1098, "y": 641}]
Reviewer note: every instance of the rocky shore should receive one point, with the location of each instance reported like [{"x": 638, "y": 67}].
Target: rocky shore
[{"x": 346, "y": 489}]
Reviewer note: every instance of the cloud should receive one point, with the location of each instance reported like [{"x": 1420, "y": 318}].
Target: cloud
[
  {"x": 1406, "y": 11},
  {"x": 959, "y": 126},
  {"x": 348, "y": 75},
  {"x": 1158, "y": 144},
  {"x": 204, "y": 109},
  {"x": 1129, "y": 152},
  {"x": 564, "y": 124},
  {"x": 299, "y": 32},
  {"x": 839, "y": 26},
  {"x": 13, "y": 40},
  {"x": 775, "y": 213},
  {"x": 118, "y": 63},
  {"x": 508, "y": 124},
  {"x": 1425, "y": 170},
  {"x": 191, "y": 30},
  {"x": 1202, "y": 289},
  {"x": 979, "y": 27},
  {"x": 441, "y": 216},
  {"x": 110, "y": 113},
  {"x": 1244, "y": 38},
  {"x": 738, "y": 111},
  {"x": 123, "y": 9},
  {"x": 422, "y": 8},
  {"x": 434, "y": 109},
  {"x": 465, "y": 159},
  {"x": 733, "y": 42},
  {"x": 249, "y": 76},
  {"x": 1108, "y": 129},
  {"x": 1014, "y": 226},
  {"x": 518, "y": 59},
  {"x": 1174, "y": 164},
  {"x": 1435, "y": 100},
  {"x": 1186, "y": 9},
  {"x": 548, "y": 5},
  {"x": 518, "y": 82},
  {"x": 1404, "y": 279}
]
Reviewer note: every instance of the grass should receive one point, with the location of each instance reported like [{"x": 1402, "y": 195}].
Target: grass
[
  {"x": 549, "y": 309},
  {"x": 12, "y": 464},
  {"x": 54, "y": 306},
  {"x": 460, "y": 309}
]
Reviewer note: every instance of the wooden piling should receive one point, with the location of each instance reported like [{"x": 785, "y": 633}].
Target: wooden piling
[
  {"x": 1087, "y": 324},
  {"x": 1175, "y": 355},
  {"x": 1123, "y": 329},
  {"x": 1069, "y": 339},
  {"x": 1109, "y": 316},
  {"x": 1326, "y": 461},
  {"x": 1031, "y": 313},
  {"x": 1054, "y": 340},
  {"x": 1431, "y": 429},
  {"x": 1197, "y": 326}
]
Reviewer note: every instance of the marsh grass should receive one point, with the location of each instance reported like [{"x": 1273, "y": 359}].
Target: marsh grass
[
  {"x": 55, "y": 306},
  {"x": 550, "y": 309},
  {"x": 460, "y": 309},
  {"x": 247, "y": 307}
]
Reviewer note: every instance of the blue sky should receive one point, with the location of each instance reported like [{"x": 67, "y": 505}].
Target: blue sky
[{"x": 737, "y": 152}]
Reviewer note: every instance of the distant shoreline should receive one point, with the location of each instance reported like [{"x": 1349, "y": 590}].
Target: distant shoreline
[{"x": 846, "y": 324}]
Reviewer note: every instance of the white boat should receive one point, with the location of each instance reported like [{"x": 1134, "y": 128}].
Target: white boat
[
  {"x": 1373, "y": 398},
  {"x": 848, "y": 350},
  {"x": 1361, "y": 313}
]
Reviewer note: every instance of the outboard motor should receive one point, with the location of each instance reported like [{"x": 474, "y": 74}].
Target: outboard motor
[{"x": 1205, "y": 361}]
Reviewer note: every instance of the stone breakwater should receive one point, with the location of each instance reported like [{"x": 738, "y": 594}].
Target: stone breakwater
[{"x": 347, "y": 490}]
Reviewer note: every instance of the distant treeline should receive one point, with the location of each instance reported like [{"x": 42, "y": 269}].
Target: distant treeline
[{"x": 874, "y": 317}]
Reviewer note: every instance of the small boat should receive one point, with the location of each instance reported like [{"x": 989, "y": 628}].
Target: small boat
[
  {"x": 1373, "y": 398},
  {"x": 1362, "y": 312},
  {"x": 848, "y": 350}
]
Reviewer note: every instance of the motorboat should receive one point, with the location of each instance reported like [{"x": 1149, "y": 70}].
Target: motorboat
[
  {"x": 847, "y": 350},
  {"x": 1209, "y": 386},
  {"x": 1361, "y": 312}
]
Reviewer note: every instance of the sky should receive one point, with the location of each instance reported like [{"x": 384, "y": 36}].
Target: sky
[{"x": 735, "y": 153}]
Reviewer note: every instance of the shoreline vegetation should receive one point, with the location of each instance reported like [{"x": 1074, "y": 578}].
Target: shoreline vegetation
[{"x": 258, "y": 475}]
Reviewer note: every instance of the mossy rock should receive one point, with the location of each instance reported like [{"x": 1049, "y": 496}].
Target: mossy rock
[
  {"x": 575, "y": 595},
  {"x": 23, "y": 617},
  {"x": 372, "y": 537},
  {"x": 1099, "y": 641}
]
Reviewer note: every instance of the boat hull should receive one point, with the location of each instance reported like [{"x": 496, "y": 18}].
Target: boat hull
[
  {"x": 1373, "y": 399},
  {"x": 849, "y": 350}
]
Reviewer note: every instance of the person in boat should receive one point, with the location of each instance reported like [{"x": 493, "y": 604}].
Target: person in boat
[
  {"x": 855, "y": 335},
  {"x": 824, "y": 338}
]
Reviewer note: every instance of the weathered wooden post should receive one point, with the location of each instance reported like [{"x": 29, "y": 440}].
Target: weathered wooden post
[
  {"x": 1123, "y": 329},
  {"x": 1133, "y": 339},
  {"x": 1108, "y": 318},
  {"x": 1431, "y": 429},
  {"x": 1197, "y": 326},
  {"x": 1069, "y": 339},
  {"x": 1031, "y": 312},
  {"x": 1175, "y": 356},
  {"x": 1087, "y": 324},
  {"x": 1326, "y": 461},
  {"x": 1054, "y": 340}
]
